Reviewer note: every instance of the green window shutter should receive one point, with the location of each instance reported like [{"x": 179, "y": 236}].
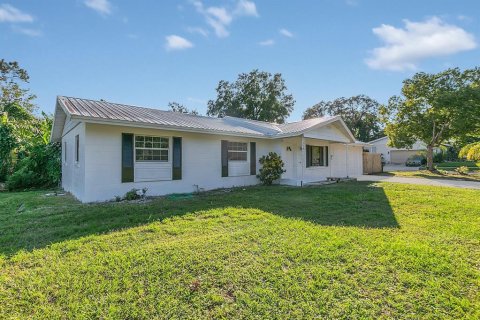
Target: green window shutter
[
  {"x": 224, "y": 156},
  {"x": 127, "y": 157},
  {"x": 177, "y": 158},
  {"x": 253, "y": 158},
  {"x": 326, "y": 156},
  {"x": 309, "y": 156},
  {"x": 322, "y": 156}
]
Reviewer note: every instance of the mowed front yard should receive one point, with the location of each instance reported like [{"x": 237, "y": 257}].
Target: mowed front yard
[{"x": 349, "y": 250}]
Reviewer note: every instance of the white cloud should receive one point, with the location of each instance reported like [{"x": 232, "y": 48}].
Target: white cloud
[
  {"x": 175, "y": 42},
  {"x": 246, "y": 8},
  {"x": 198, "y": 30},
  {"x": 268, "y": 42},
  {"x": 220, "y": 18},
  {"x": 9, "y": 13},
  {"x": 28, "y": 32},
  {"x": 286, "y": 33},
  {"x": 405, "y": 48},
  {"x": 101, "y": 6}
]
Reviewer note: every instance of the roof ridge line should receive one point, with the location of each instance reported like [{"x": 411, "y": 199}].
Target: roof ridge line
[{"x": 135, "y": 106}]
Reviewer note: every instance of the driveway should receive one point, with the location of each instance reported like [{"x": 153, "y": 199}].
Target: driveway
[{"x": 423, "y": 181}]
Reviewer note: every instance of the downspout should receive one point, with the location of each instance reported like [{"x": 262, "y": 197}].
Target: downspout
[
  {"x": 303, "y": 156},
  {"x": 346, "y": 159},
  {"x": 330, "y": 157}
]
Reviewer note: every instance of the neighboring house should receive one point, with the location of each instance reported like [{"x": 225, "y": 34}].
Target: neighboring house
[
  {"x": 110, "y": 148},
  {"x": 396, "y": 155}
]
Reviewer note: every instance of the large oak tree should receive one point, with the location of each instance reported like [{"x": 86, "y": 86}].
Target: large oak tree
[
  {"x": 360, "y": 114},
  {"x": 434, "y": 108},
  {"x": 257, "y": 95}
]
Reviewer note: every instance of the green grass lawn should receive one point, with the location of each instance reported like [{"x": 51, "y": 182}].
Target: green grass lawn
[
  {"x": 433, "y": 175},
  {"x": 472, "y": 165},
  {"x": 349, "y": 250}
]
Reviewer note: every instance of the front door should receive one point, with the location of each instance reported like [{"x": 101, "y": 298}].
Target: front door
[
  {"x": 290, "y": 161},
  {"x": 338, "y": 160}
]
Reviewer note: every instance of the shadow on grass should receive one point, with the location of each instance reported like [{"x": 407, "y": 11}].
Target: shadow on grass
[
  {"x": 433, "y": 176},
  {"x": 30, "y": 220}
]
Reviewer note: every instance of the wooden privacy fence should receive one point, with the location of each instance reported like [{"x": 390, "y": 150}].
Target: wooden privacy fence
[{"x": 372, "y": 163}]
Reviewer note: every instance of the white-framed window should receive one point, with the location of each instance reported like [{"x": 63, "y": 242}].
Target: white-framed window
[
  {"x": 317, "y": 156},
  {"x": 151, "y": 148},
  {"x": 237, "y": 151}
]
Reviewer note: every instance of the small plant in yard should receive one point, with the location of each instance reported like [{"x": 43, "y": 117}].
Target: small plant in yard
[
  {"x": 144, "y": 193},
  {"x": 462, "y": 170},
  {"x": 132, "y": 195},
  {"x": 272, "y": 168}
]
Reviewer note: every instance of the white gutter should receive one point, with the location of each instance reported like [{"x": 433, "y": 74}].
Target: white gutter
[
  {"x": 303, "y": 155},
  {"x": 346, "y": 158}
]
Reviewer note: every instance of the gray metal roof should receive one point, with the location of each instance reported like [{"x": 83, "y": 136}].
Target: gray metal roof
[
  {"x": 301, "y": 126},
  {"x": 104, "y": 111}
]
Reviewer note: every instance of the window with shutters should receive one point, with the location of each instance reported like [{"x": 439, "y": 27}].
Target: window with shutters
[
  {"x": 149, "y": 148},
  {"x": 237, "y": 151},
  {"x": 317, "y": 156}
]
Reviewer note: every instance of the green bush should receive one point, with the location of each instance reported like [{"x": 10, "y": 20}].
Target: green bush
[
  {"x": 272, "y": 168},
  {"x": 8, "y": 142},
  {"x": 438, "y": 157},
  {"x": 451, "y": 154},
  {"x": 39, "y": 167},
  {"x": 132, "y": 195},
  {"x": 470, "y": 152}
]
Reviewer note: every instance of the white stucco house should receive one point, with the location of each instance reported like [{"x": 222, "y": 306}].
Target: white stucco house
[
  {"x": 110, "y": 148},
  {"x": 396, "y": 155}
]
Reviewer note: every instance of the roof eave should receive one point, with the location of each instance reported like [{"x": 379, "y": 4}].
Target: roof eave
[
  {"x": 53, "y": 136},
  {"x": 324, "y": 123},
  {"x": 378, "y": 139}
]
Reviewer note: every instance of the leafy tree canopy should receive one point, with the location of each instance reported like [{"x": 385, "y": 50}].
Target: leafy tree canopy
[
  {"x": 434, "y": 108},
  {"x": 177, "y": 107},
  {"x": 12, "y": 95},
  {"x": 24, "y": 137},
  {"x": 360, "y": 114},
  {"x": 470, "y": 152},
  {"x": 257, "y": 95}
]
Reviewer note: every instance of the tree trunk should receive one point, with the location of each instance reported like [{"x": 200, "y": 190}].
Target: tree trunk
[{"x": 430, "y": 158}]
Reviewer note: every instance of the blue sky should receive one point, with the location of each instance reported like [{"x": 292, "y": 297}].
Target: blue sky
[{"x": 152, "y": 52}]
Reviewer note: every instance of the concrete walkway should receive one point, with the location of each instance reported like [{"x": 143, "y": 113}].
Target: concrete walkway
[{"x": 423, "y": 181}]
